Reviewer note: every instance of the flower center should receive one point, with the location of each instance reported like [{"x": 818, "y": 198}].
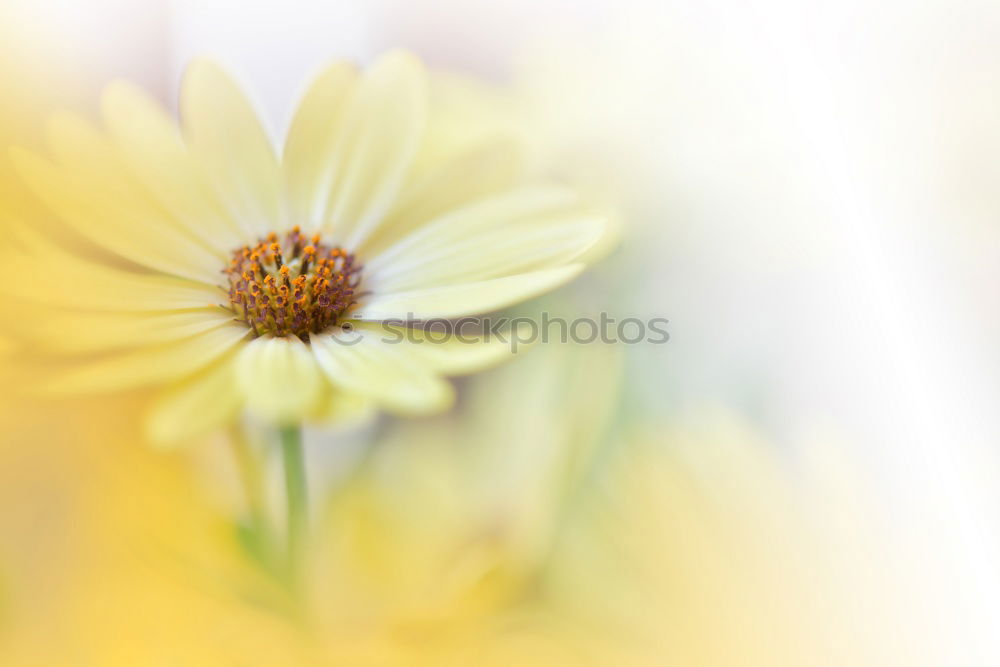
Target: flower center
[{"x": 291, "y": 285}]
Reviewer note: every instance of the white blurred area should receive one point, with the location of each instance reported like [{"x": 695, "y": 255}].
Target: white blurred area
[
  {"x": 810, "y": 193},
  {"x": 63, "y": 49}
]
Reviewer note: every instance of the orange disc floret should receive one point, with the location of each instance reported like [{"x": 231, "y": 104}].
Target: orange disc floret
[{"x": 286, "y": 285}]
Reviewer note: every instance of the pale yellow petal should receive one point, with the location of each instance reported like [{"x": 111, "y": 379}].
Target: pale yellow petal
[
  {"x": 517, "y": 247},
  {"x": 360, "y": 362},
  {"x": 70, "y": 281},
  {"x": 464, "y": 112},
  {"x": 86, "y": 332},
  {"x": 459, "y": 350},
  {"x": 149, "y": 365},
  {"x": 481, "y": 171},
  {"x": 344, "y": 409},
  {"x": 382, "y": 133},
  {"x": 90, "y": 159},
  {"x": 117, "y": 221},
  {"x": 491, "y": 234},
  {"x": 464, "y": 299},
  {"x": 280, "y": 379},
  {"x": 316, "y": 143},
  {"x": 151, "y": 144},
  {"x": 226, "y": 135},
  {"x": 196, "y": 405}
]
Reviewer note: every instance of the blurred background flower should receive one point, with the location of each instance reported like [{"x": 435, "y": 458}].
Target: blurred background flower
[{"x": 804, "y": 474}]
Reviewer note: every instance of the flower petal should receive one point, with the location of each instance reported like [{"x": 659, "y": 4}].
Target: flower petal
[
  {"x": 196, "y": 405},
  {"x": 481, "y": 171},
  {"x": 82, "y": 284},
  {"x": 95, "y": 332},
  {"x": 106, "y": 211},
  {"x": 280, "y": 379},
  {"x": 149, "y": 365},
  {"x": 344, "y": 409},
  {"x": 527, "y": 230},
  {"x": 316, "y": 141},
  {"x": 464, "y": 299},
  {"x": 360, "y": 362},
  {"x": 151, "y": 144},
  {"x": 223, "y": 130},
  {"x": 381, "y": 135},
  {"x": 448, "y": 352}
]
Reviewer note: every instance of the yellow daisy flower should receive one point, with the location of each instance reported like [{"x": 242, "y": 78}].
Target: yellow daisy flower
[{"x": 236, "y": 280}]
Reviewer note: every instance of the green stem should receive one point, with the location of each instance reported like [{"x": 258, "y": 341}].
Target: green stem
[{"x": 296, "y": 499}]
